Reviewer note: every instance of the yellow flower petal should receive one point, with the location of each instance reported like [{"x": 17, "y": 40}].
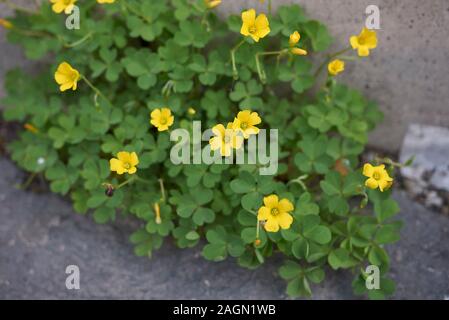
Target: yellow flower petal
[
  {"x": 284, "y": 220},
  {"x": 219, "y": 130},
  {"x": 132, "y": 170},
  {"x": 371, "y": 183},
  {"x": 215, "y": 143},
  {"x": 272, "y": 225},
  {"x": 263, "y": 213},
  {"x": 116, "y": 165},
  {"x": 155, "y": 114},
  {"x": 123, "y": 156},
  {"x": 133, "y": 159},
  {"x": 368, "y": 170},
  {"x": 249, "y": 16},
  {"x": 254, "y": 119},
  {"x": 271, "y": 201},
  {"x": 285, "y": 205}
]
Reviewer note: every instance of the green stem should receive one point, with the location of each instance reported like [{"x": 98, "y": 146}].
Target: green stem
[
  {"x": 142, "y": 179},
  {"x": 260, "y": 71},
  {"x": 269, "y": 8},
  {"x": 80, "y": 41},
  {"x": 161, "y": 184},
  {"x": 329, "y": 59},
  {"x": 136, "y": 12},
  {"x": 96, "y": 90},
  {"x": 124, "y": 183},
  {"x": 235, "y": 73},
  {"x": 28, "y": 181},
  {"x": 31, "y": 33},
  {"x": 390, "y": 162}
]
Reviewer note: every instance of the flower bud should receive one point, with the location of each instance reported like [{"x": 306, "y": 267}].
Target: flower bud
[
  {"x": 257, "y": 242},
  {"x": 29, "y": 127},
  {"x": 294, "y": 38},
  {"x": 6, "y": 24},
  {"x": 157, "y": 211},
  {"x": 298, "y": 51},
  {"x": 109, "y": 190},
  {"x": 212, "y": 3}
]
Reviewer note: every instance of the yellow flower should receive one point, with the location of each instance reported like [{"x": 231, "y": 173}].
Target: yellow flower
[
  {"x": 294, "y": 38},
  {"x": 6, "y": 24},
  {"x": 67, "y": 77},
  {"x": 377, "y": 177},
  {"x": 246, "y": 122},
  {"x": 298, "y": 51},
  {"x": 275, "y": 213},
  {"x": 366, "y": 40},
  {"x": 335, "y": 67},
  {"x": 212, "y": 3},
  {"x": 105, "y": 1},
  {"x": 63, "y": 5},
  {"x": 162, "y": 119},
  {"x": 225, "y": 139},
  {"x": 126, "y": 162},
  {"x": 256, "y": 28}
]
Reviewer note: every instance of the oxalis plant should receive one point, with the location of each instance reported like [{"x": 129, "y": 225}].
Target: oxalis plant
[{"x": 101, "y": 123}]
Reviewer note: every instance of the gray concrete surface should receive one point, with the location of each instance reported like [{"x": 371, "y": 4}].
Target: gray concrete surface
[
  {"x": 40, "y": 235},
  {"x": 407, "y": 74}
]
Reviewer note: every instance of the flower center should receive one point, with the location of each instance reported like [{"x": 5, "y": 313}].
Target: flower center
[
  {"x": 376, "y": 175},
  {"x": 252, "y": 29},
  {"x": 274, "y": 211},
  {"x": 244, "y": 125},
  {"x": 163, "y": 120},
  {"x": 227, "y": 139},
  {"x": 126, "y": 165}
]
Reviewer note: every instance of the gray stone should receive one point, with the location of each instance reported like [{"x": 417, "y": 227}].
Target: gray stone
[
  {"x": 429, "y": 146},
  {"x": 407, "y": 74},
  {"x": 40, "y": 236}
]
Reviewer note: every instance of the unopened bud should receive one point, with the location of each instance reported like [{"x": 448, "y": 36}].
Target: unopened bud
[
  {"x": 109, "y": 190},
  {"x": 298, "y": 51},
  {"x": 6, "y": 24},
  {"x": 257, "y": 242},
  {"x": 157, "y": 211}
]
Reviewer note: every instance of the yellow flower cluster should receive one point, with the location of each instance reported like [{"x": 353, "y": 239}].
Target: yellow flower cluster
[
  {"x": 235, "y": 132},
  {"x": 275, "y": 212}
]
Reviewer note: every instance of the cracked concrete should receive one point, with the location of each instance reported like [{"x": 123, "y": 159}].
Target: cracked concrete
[{"x": 40, "y": 236}]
